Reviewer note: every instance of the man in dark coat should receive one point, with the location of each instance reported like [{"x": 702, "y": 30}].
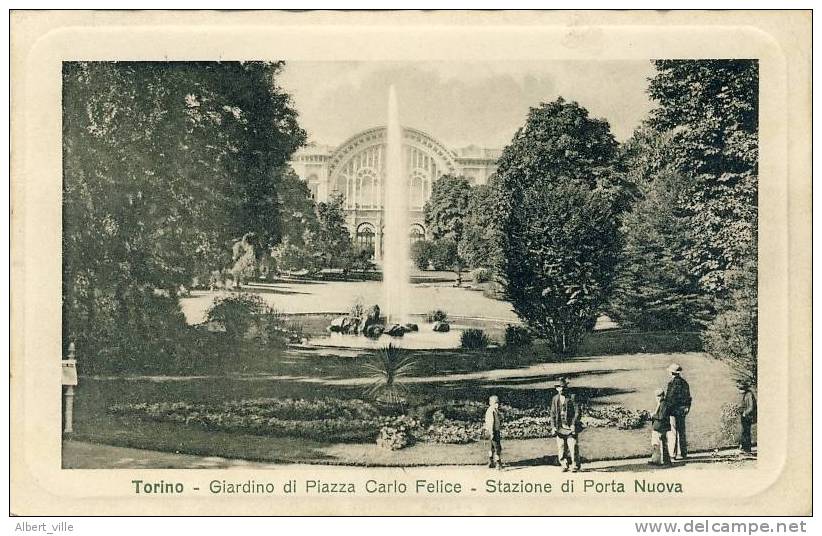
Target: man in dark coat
[
  {"x": 565, "y": 425},
  {"x": 678, "y": 400},
  {"x": 747, "y": 415}
]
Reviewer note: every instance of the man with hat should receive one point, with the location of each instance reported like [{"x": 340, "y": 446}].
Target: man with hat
[
  {"x": 565, "y": 425},
  {"x": 678, "y": 400},
  {"x": 747, "y": 414}
]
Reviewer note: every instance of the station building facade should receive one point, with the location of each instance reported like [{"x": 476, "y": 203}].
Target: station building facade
[{"x": 356, "y": 169}]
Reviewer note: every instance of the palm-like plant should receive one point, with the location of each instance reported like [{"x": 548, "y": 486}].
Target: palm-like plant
[{"x": 389, "y": 365}]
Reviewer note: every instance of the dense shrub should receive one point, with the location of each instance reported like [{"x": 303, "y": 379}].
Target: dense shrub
[
  {"x": 437, "y": 315},
  {"x": 289, "y": 257},
  {"x": 474, "y": 339},
  {"x": 517, "y": 336},
  {"x": 444, "y": 256},
  {"x": 248, "y": 316},
  {"x": 236, "y": 313},
  {"x": 481, "y": 275},
  {"x": 360, "y": 259},
  {"x": 732, "y": 335},
  {"x": 730, "y": 428},
  {"x": 140, "y": 332}
]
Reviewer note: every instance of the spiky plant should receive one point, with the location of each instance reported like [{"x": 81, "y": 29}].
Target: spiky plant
[{"x": 390, "y": 364}]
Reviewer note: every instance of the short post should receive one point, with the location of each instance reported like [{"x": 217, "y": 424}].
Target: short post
[{"x": 69, "y": 367}]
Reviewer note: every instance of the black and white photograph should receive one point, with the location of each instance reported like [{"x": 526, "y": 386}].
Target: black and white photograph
[{"x": 515, "y": 271}]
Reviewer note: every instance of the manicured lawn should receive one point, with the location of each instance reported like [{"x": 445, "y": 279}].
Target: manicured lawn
[
  {"x": 522, "y": 379},
  {"x": 338, "y": 296},
  {"x": 611, "y": 367}
]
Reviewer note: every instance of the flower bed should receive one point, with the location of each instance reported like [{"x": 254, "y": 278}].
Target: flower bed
[
  {"x": 352, "y": 421},
  {"x": 323, "y": 420}
]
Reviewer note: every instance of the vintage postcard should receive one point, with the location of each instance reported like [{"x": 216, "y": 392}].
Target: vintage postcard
[{"x": 420, "y": 263}]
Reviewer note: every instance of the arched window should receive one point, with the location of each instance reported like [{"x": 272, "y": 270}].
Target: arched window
[
  {"x": 365, "y": 236},
  {"x": 367, "y": 188},
  {"x": 418, "y": 189},
  {"x": 416, "y": 233}
]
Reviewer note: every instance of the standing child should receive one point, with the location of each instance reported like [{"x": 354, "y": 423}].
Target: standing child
[
  {"x": 493, "y": 425},
  {"x": 660, "y": 426}
]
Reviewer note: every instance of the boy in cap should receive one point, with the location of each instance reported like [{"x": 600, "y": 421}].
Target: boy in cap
[
  {"x": 660, "y": 426},
  {"x": 678, "y": 399},
  {"x": 747, "y": 414},
  {"x": 565, "y": 425},
  {"x": 493, "y": 425}
]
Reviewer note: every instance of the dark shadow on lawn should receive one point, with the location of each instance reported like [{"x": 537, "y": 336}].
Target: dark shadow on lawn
[
  {"x": 547, "y": 460},
  {"x": 460, "y": 361},
  {"x": 281, "y": 281},
  {"x": 512, "y": 391},
  {"x": 273, "y": 290}
]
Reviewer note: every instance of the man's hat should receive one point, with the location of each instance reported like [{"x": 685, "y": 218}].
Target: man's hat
[
  {"x": 562, "y": 382},
  {"x": 674, "y": 368},
  {"x": 660, "y": 392}
]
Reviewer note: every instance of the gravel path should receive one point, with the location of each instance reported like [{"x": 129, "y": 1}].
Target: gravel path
[{"x": 82, "y": 455}]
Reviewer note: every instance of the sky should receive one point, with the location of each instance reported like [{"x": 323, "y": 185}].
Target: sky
[{"x": 461, "y": 103}]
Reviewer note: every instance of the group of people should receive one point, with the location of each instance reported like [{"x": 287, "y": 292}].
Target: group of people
[{"x": 668, "y": 430}]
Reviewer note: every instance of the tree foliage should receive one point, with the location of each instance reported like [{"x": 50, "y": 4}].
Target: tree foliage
[
  {"x": 446, "y": 209},
  {"x": 480, "y": 244},
  {"x": 422, "y": 251},
  {"x": 445, "y": 256},
  {"x": 332, "y": 242},
  {"x": 654, "y": 288},
  {"x": 709, "y": 111},
  {"x": 445, "y": 214},
  {"x": 297, "y": 210},
  {"x": 558, "y": 221},
  {"x": 165, "y": 165},
  {"x": 710, "y": 108},
  {"x": 733, "y": 335}
]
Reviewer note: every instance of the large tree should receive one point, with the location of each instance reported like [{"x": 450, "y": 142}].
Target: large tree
[
  {"x": 165, "y": 165},
  {"x": 710, "y": 108},
  {"x": 654, "y": 288},
  {"x": 445, "y": 214},
  {"x": 558, "y": 221},
  {"x": 332, "y": 242}
]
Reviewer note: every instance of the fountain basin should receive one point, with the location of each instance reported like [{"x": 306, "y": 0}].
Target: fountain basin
[{"x": 423, "y": 339}]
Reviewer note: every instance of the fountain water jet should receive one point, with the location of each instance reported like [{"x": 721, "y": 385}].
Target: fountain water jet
[{"x": 396, "y": 251}]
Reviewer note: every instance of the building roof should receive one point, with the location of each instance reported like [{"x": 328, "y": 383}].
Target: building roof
[{"x": 471, "y": 152}]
